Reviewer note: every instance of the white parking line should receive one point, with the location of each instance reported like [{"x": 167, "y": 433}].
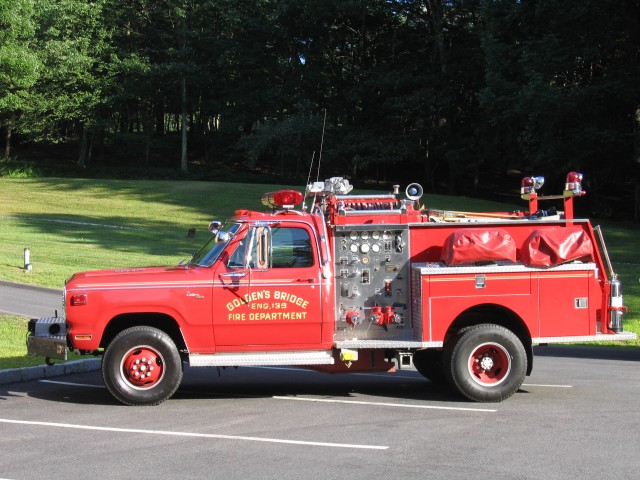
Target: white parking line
[
  {"x": 195, "y": 435},
  {"x": 72, "y": 384},
  {"x": 286, "y": 369},
  {"x": 384, "y": 404},
  {"x": 379, "y": 374},
  {"x": 399, "y": 375},
  {"x": 391, "y": 375},
  {"x": 546, "y": 386}
]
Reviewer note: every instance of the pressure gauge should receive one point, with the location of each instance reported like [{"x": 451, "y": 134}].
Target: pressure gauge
[
  {"x": 353, "y": 235},
  {"x": 364, "y": 235},
  {"x": 375, "y": 247},
  {"x": 386, "y": 235},
  {"x": 375, "y": 235},
  {"x": 365, "y": 247},
  {"x": 354, "y": 248}
]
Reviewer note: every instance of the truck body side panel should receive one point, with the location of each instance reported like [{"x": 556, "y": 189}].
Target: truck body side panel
[
  {"x": 452, "y": 295},
  {"x": 556, "y": 302},
  {"x": 184, "y": 295}
]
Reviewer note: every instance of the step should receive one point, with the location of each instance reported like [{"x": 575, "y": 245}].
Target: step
[{"x": 321, "y": 357}]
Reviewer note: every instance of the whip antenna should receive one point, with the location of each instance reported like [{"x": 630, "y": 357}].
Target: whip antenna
[
  {"x": 324, "y": 124},
  {"x": 306, "y": 188}
]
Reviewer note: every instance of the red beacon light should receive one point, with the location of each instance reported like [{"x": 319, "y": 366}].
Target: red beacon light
[
  {"x": 528, "y": 191},
  {"x": 530, "y": 185},
  {"x": 573, "y": 184},
  {"x": 284, "y": 199}
]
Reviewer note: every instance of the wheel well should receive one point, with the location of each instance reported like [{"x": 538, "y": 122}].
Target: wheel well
[
  {"x": 157, "y": 320},
  {"x": 498, "y": 315}
]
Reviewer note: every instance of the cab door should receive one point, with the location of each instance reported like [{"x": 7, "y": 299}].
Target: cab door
[{"x": 267, "y": 295}]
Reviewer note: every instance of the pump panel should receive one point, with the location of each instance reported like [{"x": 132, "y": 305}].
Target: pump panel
[{"x": 372, "y": 282}]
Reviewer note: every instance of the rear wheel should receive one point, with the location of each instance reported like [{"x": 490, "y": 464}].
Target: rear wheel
[
  {"x": 142, "y": 366},
  {"x": 485, "y": 363}
]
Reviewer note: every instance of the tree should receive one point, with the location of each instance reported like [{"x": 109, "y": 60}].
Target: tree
[
  {"x": 169, "y": 69},
  {"x": 19, "y": 65},
  {"x": 442, "y": 90},
  {"x": 72, "y": 45},
  {"x": 563, "y": 84}
]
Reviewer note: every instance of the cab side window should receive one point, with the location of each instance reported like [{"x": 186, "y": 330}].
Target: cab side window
[
  {"x": 291, "y": 248},
  {"x": 237, "y": 258}
]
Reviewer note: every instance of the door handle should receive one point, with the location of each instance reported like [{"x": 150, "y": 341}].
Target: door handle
[{"x": 234, "y": 275}]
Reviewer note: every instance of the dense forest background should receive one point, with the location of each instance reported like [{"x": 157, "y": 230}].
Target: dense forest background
[{"x": 458, "y": 95}]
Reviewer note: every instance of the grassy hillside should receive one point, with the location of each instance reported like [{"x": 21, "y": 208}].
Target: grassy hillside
[{"x": 72, "y": 225}]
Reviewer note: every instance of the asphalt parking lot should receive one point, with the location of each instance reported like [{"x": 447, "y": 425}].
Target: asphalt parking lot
[{"x": 576, "y": 417}]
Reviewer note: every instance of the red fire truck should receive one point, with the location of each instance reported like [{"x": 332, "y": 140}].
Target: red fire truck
[{"x": 351, "y": 283}]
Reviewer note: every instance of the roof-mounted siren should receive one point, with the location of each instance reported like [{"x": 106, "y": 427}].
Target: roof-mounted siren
[
  {"x": 413, "y": 193},
  {"x": 282, "y": 199},
  {"x": 529, "y": 191}
]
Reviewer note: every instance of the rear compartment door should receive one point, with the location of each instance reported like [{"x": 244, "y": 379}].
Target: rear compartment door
[{"x": 564, "y": 304}]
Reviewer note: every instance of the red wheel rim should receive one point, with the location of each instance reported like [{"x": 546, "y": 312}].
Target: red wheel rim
[
  {"x": 489, "y": 364},
  {"x": 142, "y": 367}
]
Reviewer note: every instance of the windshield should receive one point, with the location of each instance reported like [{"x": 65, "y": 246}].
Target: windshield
[{"x": 214, "y": 247}]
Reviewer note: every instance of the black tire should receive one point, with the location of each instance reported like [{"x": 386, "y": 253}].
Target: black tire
[
  {"x": 430, "y": 365},
  {"x": 485, "y": 363},
  {"x": 142, "y": 366}
]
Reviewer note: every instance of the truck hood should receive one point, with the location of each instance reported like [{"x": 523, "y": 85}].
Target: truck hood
[{"x": 141, "y": 275}]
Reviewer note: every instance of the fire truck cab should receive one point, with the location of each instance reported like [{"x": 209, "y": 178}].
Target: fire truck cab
[{"x": 352, "y": 283}]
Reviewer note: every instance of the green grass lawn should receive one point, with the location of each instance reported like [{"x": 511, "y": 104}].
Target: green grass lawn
[
  {"x": 13, "y": 347},
  {"x": 13, "y": 344},
  {"x": 71, "y": 225}
]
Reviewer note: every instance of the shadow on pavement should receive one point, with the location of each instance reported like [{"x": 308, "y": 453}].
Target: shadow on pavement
[{"x": 248, "y": 382}]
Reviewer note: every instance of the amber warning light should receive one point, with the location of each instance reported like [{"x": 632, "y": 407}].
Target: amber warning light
[{"x": 286, "y": 199}]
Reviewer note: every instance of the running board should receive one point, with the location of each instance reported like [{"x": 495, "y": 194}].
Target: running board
[
  {"x": 598, "y": 337},
  {"x": 262, "y": 358}
]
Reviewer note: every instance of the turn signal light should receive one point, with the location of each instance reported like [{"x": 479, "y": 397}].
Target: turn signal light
[{"x": 286, "y": 199}]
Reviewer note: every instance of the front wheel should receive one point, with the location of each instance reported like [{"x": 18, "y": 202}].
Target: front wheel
[
  {"x": 485, "y": 363},
  {"x": 142, "y": 366}
]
